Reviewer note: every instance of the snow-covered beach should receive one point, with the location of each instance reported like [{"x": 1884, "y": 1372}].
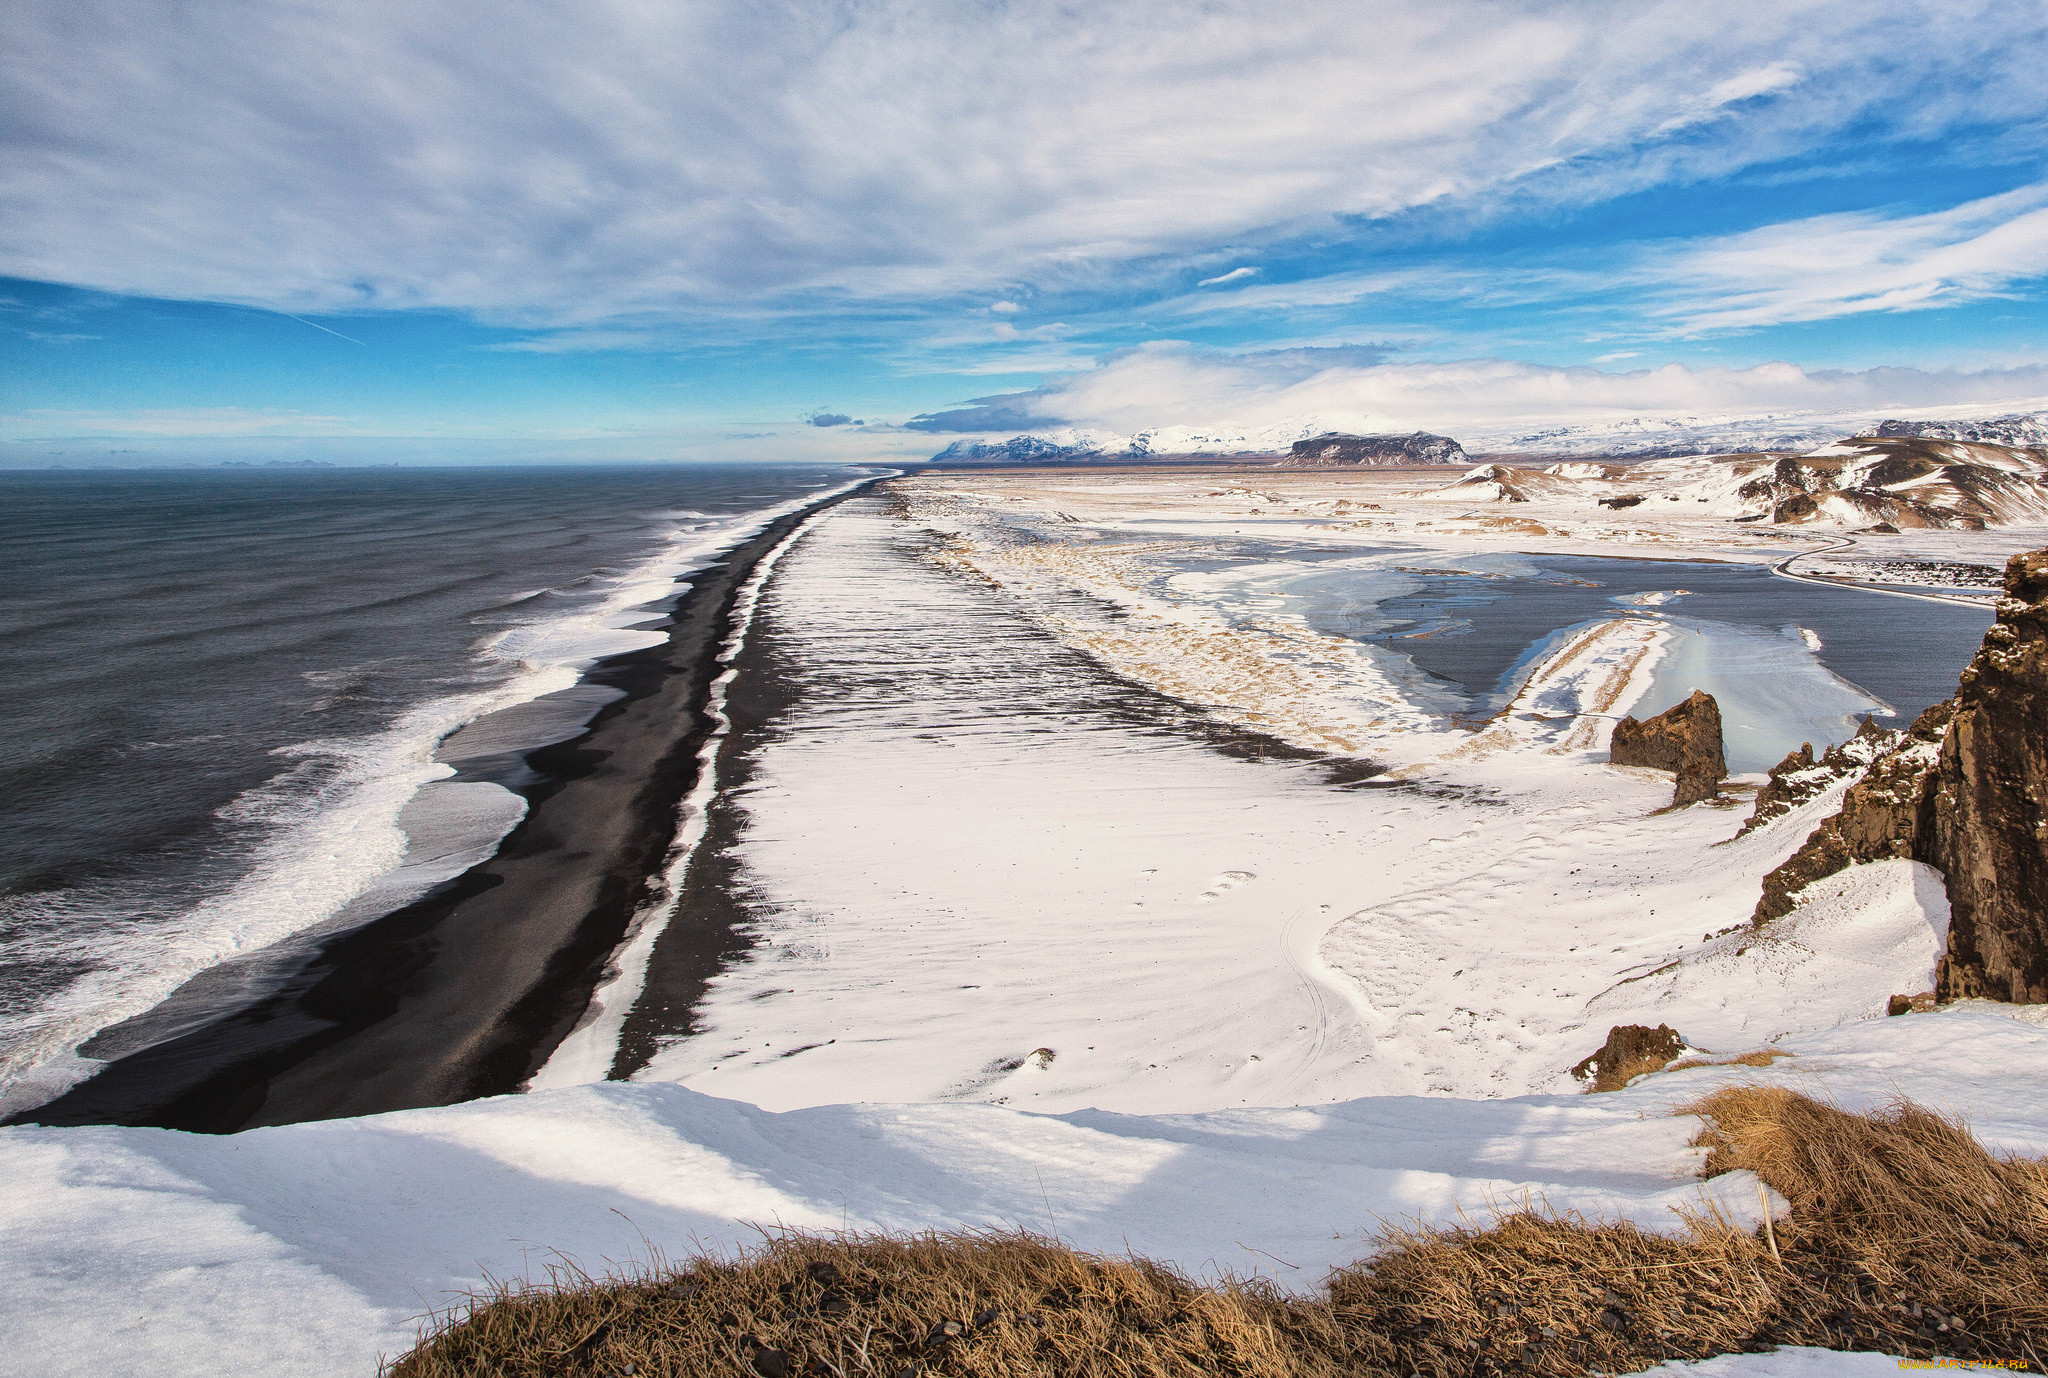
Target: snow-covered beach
[{"x": 1082, "y": 882}]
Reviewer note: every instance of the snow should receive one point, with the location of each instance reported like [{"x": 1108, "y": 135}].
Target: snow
[
  {"x": 312, "y": 1249},
  {"x": 1028, "y": 950}
]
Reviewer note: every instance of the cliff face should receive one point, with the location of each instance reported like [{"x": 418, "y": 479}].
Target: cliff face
[
  {"x": 1884, "y": 815},
  {"x": 1903, "y": 481},
  {"x": 1991, "y": 790},
  {"x": 1966, "y": 792},
  {"x": 1799, "y": 777},
  {"x": 1685, "y": 740}
]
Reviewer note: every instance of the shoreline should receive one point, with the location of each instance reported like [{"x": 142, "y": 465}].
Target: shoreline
[{"x": 467, "y": 991}]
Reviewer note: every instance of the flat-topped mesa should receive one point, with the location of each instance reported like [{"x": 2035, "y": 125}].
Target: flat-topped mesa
[
  {"x": 1685, "y": 740},
  {"x": 1990, "y": 804},
  {"x": 1421, "y": 447}
]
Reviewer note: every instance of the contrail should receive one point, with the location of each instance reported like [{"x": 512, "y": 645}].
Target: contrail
[{"x": 317, "y": 326}]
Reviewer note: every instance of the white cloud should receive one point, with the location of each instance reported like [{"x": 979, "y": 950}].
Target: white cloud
[
  {"x": 553, "y": 165},
  {"x": 583, "y": 341},
  {"x": 1484, "y": 401},
  {"x": 1232, "y": 276},
  {"x": 1838, "y": 265},
  {"x": 1813, "y": 268}
]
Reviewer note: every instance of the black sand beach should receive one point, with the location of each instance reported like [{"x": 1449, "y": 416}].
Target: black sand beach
[{"x": 465, "y": 992}]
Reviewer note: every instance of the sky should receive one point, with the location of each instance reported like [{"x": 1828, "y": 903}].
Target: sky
[{"x": 630, "y": 229}]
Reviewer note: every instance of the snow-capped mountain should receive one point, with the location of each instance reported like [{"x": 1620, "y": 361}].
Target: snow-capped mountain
[
  {"x": 1079, "y": 443},
  {"x": 1636, "y": 436}
]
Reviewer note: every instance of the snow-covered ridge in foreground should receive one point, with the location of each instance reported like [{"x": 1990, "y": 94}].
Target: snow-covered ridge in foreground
[{"x": 313, "y": 1249}]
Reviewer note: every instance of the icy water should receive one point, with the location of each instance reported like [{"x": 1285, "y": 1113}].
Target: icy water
[
  {"x": 221, "y": 688},
  {"x": 1790, "y": 662}
]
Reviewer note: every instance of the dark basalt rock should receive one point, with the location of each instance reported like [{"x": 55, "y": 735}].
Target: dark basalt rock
[
  {"x": 1799, "y": 777},
  {"x": 1419, "y": 448},
  {"x": 1990, "y": 832},
  {"x": 1630, "y": 1051},
  {"x": 1967, "y": 793},
  {"x": 1685, "y": 740},
  {"x": 2017, "y": 430},
  {"x": 1883, "y": 815},
  {"x": 1797, "y": 508}
]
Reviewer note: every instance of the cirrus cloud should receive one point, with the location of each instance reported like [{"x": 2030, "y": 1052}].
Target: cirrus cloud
[{"x": 546, "y": 167}]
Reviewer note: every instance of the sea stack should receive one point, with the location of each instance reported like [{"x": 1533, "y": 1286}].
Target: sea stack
[
  {"x": 1991, "y": 790},
  {"x": 1685, "y": 740}
]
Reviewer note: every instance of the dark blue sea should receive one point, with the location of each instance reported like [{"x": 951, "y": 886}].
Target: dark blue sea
[{"x": 226, "y": 697}]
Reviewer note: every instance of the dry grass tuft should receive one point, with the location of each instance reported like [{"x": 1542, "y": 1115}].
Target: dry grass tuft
[
  {"x": 1762, "y": 1057},
  {"x": 1905, "y": 1236},
  {"x": 1534, "y": 1294},
  {"x": 1009, "y": 1305}
]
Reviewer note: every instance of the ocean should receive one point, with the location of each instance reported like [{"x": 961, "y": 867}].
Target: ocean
[{"x": 223, "y": 691}]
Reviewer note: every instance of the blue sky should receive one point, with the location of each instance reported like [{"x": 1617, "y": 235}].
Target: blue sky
[{"x": 641, "y": 230}]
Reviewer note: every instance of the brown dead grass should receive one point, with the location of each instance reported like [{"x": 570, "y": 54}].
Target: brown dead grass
[
  {"x": 1905, "y": 1233},
  {"x": 1762, "y": 1057},
  {"x": 1904, "y": 1236},
  {"x": 988, "y": 1305}
]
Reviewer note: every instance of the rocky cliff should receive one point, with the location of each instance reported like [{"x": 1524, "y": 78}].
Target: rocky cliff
[
  {"x": 1685, "y": 740},
  {"x": 1799, "y": 777},
  {"x": 1966, "y": 791},
  {"x": 1420, "y": 448},
  {"x": 1884, "y": 815},
  {"x": 1990, "y": 803}
]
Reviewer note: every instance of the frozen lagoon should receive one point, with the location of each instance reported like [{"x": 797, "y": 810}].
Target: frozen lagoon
[{"x": 1789, "y": 662}]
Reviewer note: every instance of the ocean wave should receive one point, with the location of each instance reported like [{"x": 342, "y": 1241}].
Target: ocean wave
[{"x": 349, "y": 827}]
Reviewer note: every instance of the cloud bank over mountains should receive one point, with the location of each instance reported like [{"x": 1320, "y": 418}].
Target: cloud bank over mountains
[{"x": 1486, "y": 403}]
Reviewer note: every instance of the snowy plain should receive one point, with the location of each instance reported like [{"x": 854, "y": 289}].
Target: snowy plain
[{"x": 1064, "y": 915}]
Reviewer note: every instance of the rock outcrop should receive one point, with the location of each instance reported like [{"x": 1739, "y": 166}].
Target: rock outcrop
[
  {"x": 1990, "y": 804},
  {"x": 1630, "y": 1051},
  {"x": 1901, "y": 481},
  {"x": 1685, "y": 740},
  {"x": 1884, "y": 815},
  {"x": 1421, "y": 447},
  {"x": 1966, "y": 791},
  {"x": 1799, "y": 777}
]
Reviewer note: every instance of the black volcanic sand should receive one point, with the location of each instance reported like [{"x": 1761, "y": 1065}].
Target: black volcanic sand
[{"x": 465, "y": 992}]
